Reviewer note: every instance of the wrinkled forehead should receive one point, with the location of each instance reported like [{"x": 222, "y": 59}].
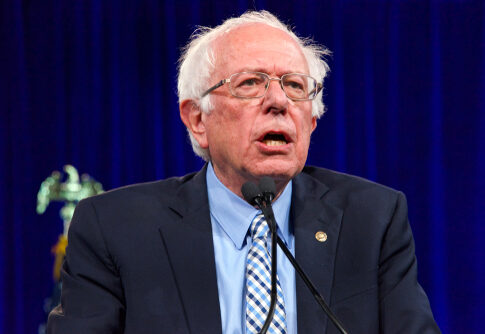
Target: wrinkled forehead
[{"x": 250, "y": 46}]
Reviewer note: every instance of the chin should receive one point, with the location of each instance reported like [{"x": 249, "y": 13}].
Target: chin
[{"x": 279, "y": 171}]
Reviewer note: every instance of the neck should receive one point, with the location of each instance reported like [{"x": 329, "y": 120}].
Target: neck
[{"x": 235, "y": 182}]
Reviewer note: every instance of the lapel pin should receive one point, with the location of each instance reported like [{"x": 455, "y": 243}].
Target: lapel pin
[{"x": 321, "y": 236}]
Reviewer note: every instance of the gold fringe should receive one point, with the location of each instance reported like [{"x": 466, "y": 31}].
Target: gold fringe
[{"x": 59, "y": 250}]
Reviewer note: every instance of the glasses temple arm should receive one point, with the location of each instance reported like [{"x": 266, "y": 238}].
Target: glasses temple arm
[
  {"x": 217, "y": 85},
  {"x": 316, "y": 90}
]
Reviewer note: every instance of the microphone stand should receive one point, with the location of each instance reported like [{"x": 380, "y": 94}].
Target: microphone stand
[
  {"x": 268, "y": 212},
  {"x": 253, "y": 195},
  {"x": 311, "y": 287},
  {"x": 268, "y": 195}
]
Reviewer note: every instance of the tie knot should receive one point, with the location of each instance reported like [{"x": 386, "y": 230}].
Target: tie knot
[{"x": 259, "y": 227}]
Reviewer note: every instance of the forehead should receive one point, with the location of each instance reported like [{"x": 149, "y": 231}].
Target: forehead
[{"x": 258, "y": 47}]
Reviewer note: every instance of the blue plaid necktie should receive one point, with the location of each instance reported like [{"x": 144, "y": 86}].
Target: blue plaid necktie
[{"x": 258, "y": 283}]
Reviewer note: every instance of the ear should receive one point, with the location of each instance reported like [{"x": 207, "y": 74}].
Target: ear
[
  {"x": 193, "y": 119},
  {"x": 314, "y": 123}
]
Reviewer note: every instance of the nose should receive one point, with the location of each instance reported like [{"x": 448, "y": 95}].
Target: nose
[{"x": 275, "y": 99}]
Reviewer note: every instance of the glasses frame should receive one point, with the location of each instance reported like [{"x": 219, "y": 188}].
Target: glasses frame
[{"x": 317, "y": 88}]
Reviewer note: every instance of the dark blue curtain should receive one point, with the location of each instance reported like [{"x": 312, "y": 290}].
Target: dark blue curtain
[{"x": 93, "y": 83}]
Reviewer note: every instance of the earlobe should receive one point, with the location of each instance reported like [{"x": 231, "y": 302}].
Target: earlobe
[{"x": 192, "y": 117}]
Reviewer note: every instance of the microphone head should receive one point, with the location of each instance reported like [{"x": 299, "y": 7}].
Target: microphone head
[
  {"x": 268, "y": 187},
  {"x": 250, "y": 192}
]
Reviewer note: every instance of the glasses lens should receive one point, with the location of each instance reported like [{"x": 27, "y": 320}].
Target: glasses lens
[
  {"x": 248, "y": 84},
  {"x": 299, "y": 86}
]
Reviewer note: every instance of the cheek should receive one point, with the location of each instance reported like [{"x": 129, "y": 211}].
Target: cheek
[
  {"x": 307, "y": 128},
  {"x": 229, "y": 129},
  {"x": 237, "y": 120}
]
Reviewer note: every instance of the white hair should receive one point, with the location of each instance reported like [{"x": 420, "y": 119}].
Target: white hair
[{"x": 197, "y": 63}]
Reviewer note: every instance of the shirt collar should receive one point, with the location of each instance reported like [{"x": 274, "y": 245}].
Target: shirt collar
[{"x": 234, "y": 215}]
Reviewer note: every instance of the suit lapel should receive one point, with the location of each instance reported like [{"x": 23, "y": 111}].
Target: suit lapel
[
  {"x": 312, "y": 213},
  {"x": 189, "y": 244}
]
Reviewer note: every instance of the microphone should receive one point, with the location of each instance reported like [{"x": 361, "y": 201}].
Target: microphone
[
  {"x": 252, "y": 194},
  {"x": 268, "y": 190}
]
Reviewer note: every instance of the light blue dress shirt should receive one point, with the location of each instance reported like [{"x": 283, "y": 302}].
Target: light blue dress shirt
[{"x": 231, "y": 217}]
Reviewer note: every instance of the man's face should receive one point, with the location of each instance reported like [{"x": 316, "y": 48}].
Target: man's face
[{"x": 251, "y": 138}]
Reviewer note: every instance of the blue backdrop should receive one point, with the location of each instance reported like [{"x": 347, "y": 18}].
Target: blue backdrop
[{"x": 92, "y": 83}]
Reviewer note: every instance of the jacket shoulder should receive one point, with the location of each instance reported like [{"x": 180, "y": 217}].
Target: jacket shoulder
[
  {"x": 345, "y": 187},
  {"x": 334, "y": 179},
  {"x": 161, "y": 190}
]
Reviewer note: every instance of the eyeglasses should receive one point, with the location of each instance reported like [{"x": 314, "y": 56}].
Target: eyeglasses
[{"x": 251, "y": 85}]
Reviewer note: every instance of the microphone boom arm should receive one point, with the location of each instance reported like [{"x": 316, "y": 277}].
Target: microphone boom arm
[{"x": 311, "y": 287}]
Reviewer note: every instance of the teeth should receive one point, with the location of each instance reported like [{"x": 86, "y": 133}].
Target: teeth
[{"x": 274, "y": 142}]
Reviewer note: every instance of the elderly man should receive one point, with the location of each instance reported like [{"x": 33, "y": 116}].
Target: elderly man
[{"x": 188, "y": 255}]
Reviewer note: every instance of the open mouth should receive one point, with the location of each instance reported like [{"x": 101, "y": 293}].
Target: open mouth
[{"x": 274, "y": 139}]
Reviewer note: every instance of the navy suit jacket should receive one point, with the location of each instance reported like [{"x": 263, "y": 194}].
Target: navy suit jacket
[{"x": 141, "y": 260}]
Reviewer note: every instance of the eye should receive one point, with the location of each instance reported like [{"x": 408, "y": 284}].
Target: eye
[
  {"x": 250, "y": 82},
  {"x": 294, "y": 85}
]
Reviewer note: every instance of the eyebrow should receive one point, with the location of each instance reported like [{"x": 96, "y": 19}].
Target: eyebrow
[{"x": 262, "y": 70}]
